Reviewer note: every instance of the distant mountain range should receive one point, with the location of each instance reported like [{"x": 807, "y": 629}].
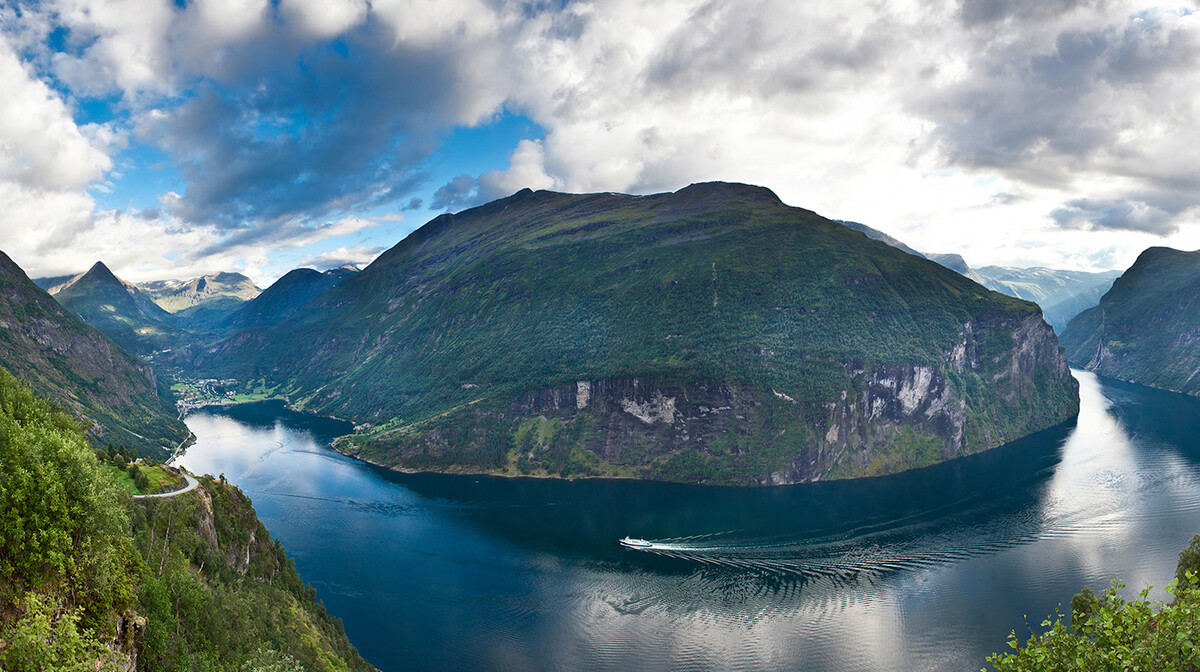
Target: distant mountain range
[
  {"x": 1061, "y": 294},
  {"x": 63, "y": 358},
  {"x": 177, "y": 296},
  {"x": 1146, "y": 329},
  {"x": 710, "y": 335},
  {"x": 150, "y": 317}
]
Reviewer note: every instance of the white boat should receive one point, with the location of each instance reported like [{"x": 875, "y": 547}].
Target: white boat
[{"x": 636, "y": 543}]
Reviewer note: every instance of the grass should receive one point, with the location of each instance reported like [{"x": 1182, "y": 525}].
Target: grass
[{"x": 157, "y": 474}]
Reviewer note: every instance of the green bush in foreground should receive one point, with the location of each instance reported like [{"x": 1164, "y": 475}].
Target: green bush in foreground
[{"x": 1110, "y": 633}]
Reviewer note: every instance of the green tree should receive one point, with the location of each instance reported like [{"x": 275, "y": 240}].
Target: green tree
[
  {"x": 1189, "y": 560},
  {"x": 48, "y": 637}
]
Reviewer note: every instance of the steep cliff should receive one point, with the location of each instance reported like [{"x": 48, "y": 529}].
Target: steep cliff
[
  {"x": 1146, "y": 329},
  {"x": 889, "y": 418},
  {"x": 717, "y": 334}
]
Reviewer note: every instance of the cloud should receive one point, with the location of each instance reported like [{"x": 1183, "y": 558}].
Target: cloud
[
  {"x": 41, "y": 147},
  {"x": 526, "y": 170},
  {"x": 985, "y": 126},
  {"x": 1119, "y": 214},
  {"x": 1091, "y": 103},
  {"x": 460, "y": 192},
  {"x": 359, "y": 256},
  {"x": 324, "y": 18}
]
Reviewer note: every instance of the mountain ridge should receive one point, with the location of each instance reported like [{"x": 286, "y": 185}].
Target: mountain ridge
[{"x": 120, "y": 310}]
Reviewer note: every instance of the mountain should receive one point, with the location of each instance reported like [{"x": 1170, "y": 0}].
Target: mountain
[
  {"x": 120, "y": 311},
  {"x": 287, "y": 295},
  {"x": 711, "y": 335},
  {"x": 203, "y": 302},
  {"x": 62, "y": 358},
  {"x": 956, "y": 263},
  {"x": 178, "y": 295},
  {"x": 1146, "y": 329},
  {"x": 876, "y": 234},
  {"x": 54, "y": 283},
  {"x": 1061, "y": 294}
]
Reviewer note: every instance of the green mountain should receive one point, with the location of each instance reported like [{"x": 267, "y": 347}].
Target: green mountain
[
  {"x": 91, "y": 579},
  {"x": 64, "y": 359},
  {"x": 1061, "y": 294},
  {"x": 1146, "y": 329},
  {"x": 709, "y": 335},
  {"x": 286, "y": 296},
  {"x": 120, "y": 311},
  {"x": 876, "y": 234}
]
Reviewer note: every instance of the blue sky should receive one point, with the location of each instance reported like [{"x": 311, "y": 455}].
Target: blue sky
[{"x": 170, "y": 138}]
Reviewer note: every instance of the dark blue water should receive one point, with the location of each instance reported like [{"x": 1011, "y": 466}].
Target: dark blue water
[{"x": 927, "y": 570}]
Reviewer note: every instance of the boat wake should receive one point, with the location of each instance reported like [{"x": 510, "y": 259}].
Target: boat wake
[{"x": 848, "y": 556}]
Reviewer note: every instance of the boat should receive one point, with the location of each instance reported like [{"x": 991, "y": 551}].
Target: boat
[{"x": 636, "y": 543}]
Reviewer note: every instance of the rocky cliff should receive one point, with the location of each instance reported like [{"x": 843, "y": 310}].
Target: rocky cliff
[{"x": 888, "y": 418}]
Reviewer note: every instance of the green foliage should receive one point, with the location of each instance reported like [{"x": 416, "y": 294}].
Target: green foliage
[
  {"x": 1115, "y": 634},
  {"x": 63, "y": 521},
  {"x": 1189, "y": 560},
  {"x": 1083, "y": 606},
  {"x": 76, "y": 553},
  {"x": 221, "y": 595},
  {"x": 48, "y": 636}
]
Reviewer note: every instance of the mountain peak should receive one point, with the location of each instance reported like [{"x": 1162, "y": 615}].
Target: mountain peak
[
  {"x": 711, "y": 193},
  {"x": 99, "y": 272}
]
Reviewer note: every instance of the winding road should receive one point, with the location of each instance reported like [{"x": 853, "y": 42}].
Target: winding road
[{"x": 191, "y": 485}]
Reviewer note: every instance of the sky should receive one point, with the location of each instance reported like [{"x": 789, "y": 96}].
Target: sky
[{"x": 176, "y": 138}]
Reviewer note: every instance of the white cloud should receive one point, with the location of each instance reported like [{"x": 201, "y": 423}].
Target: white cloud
[
  {"x": 128, "y": 50},
  {"x": 360, "y": 256},
  {"x": 324, "y": 18},
  {"x": 954, "y": 125},
  {"x": 526, "y": 169},
  {"x": 425, "y": 22},
  {"x": 41, "y": 148}
]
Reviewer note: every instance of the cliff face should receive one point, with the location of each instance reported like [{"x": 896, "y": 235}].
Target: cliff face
[
  {"x": 1146, "y": 329},
  {"x": 889, "y": 418}
]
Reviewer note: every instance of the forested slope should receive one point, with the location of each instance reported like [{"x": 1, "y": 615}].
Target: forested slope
[{"x": 91, "y": 579}]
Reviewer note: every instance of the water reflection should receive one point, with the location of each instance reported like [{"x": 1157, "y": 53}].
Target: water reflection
[{"x": 925, "y": 570}]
